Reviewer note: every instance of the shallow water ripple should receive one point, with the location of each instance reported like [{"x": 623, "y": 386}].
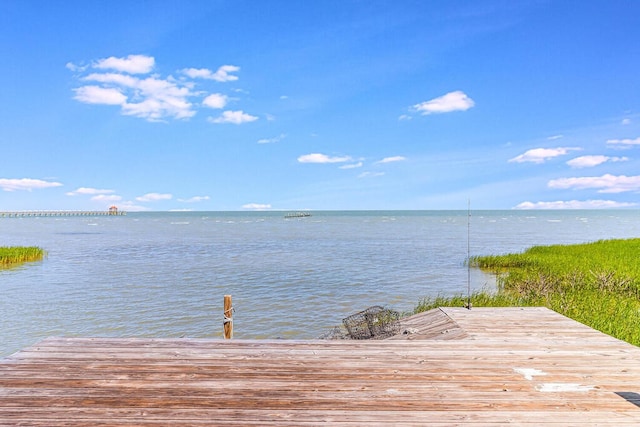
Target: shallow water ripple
[{"x": 165, "y": 274}]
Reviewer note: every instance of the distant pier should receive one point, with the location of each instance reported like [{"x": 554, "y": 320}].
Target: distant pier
[{"x": 21, "y": 214}]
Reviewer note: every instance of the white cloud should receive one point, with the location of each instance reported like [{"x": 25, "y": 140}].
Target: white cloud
[
  {"x": 113, "y": 79},
  {"x": 118, "y": 81},
  {"x": 452, "y": 101},
  {"x": 370, "y": 174},
  {"x": 626, "y": 121},
  {"x": 26, "y": 184},
  {"x": 624, "y": 143},
  {"x": 272, "y": 140},
  {"x": 76, "y": 68},
  {"x": 154, "y": 109},
  {"x": 575, "y": 204},
  {"x": 540, "y": 155},
  {"x": 195, "y": 199},
  {"x": 605, "y": 184},
  {"x": 554, "y": 137},
  {"x": 405, "y": 117},
  {"x": 392, "y": 159},
  {"x": 221, "y": 75},
  {"x": 131, "y": 207},
  {"x": 88, "y": 191},
  {"x": 198, "y": 73},
  {"x": 154, "y": 197},
  {"x": 160, "y": 98},
  {"x": 590, "y": 161},
  {"x": 322, "y": 158},
  {"x": 235, "y": 117},
  {"x": 151, "y": 98},
  {"x": 106, "y": 198},
  {"x": 132, "y": 64},
  {"x": 215, "y": 100},
  {"x": 256, "y": 206},
  {"x": 352, "y": 166},
  {"x": 99, "y": 95}
]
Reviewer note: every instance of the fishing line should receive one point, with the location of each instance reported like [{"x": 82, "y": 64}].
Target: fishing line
[{"x": 469, "y": 254}]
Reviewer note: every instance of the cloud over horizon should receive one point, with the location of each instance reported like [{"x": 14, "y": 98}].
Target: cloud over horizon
[
  {"x": 106, "y": 198},
  {"x": 26, "y": 184},
  {"x": 603, "y": 184},
  {"x": 154, "y": 197},
  {"x": 88, "y": 191},
  {"x": 257, "y": 206},
  {"x": 195, "y": 199},
  {"x": 575, "y": 204}
]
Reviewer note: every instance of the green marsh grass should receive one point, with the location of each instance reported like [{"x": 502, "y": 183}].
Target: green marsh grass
[
  {"x": 596, "y": 283},
  {"x": 11, "y": 256}
]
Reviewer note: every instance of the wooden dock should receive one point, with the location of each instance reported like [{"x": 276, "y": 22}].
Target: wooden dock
[
  {"x": 23, "y": 214},
  {"x": 482, "y": 367}
]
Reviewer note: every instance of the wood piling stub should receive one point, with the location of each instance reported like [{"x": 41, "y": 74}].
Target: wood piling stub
[{"x": 227, "y": 324}]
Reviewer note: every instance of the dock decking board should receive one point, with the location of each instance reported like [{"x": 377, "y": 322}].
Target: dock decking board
[{"x": 496, "y": 366}]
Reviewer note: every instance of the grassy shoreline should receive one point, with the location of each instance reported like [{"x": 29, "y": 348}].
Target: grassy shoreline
[
  {"x": 596, "y": 283},
  {"x": 12, "y": 256}
]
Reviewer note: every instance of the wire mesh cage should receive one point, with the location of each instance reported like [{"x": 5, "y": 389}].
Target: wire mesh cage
[{"x": 373, "y": 323}]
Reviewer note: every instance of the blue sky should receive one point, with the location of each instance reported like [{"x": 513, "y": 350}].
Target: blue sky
[{"x": 287, "y": 105}]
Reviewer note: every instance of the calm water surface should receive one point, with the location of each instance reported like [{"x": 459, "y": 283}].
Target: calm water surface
[{"x": 165, "y": 274}]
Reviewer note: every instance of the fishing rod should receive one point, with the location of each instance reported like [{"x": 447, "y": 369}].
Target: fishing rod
[{"x": 468, "y": 254}]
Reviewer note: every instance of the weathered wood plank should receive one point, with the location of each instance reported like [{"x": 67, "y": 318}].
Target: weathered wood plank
[
  {"x": 433, "y": 324},
  {"x": 525, "y": 367},
  {"x": 337, "y": 417}
]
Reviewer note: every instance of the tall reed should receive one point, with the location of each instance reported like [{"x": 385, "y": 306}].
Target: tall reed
[
  {"x": 11, "y": 256},
  {"x": 596, "y": 283}
]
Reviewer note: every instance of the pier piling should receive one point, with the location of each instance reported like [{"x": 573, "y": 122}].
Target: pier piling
[{"x": 228, "y": 318}]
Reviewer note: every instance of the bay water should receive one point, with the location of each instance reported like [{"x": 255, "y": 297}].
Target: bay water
[{"x": 164, "y": 274}]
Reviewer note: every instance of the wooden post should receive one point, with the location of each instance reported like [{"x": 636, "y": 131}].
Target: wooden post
[{"x": 228, "y": 318}]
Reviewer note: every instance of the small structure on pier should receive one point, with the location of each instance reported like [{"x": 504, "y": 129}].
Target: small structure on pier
[{"x": 113, "y": 210}]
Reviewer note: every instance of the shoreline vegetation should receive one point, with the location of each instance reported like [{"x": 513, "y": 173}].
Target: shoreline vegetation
[
  {"x": 13, "y": 256},
  {"x": 597, "y": 284}
]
